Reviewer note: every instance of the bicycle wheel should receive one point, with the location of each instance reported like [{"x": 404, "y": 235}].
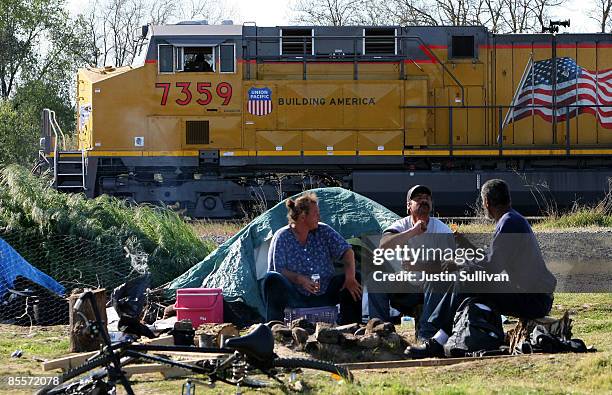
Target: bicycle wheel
[
  {"x": 301, "y": 374},
  {"x": 283, "y": 372},
  {"x": 65, "y": 379}
]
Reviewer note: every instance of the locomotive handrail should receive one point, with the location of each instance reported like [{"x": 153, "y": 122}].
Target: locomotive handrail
[
  {"x": 55, "y": 127},
  {"x": 501, "y": 125},
  {"x": 83, "y": 172},
  {"x": 57, "y": 135},
  {"x": 353, "y": 57},
  {"x": 508, "y": 106}
]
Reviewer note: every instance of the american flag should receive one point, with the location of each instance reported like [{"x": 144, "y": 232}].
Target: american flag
[
  {"x": 260, "y": 101},
  {"x": 575, "y": 86}
]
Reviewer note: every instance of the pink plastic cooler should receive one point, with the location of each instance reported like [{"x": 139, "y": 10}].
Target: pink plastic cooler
[{"x": 200, "y": 305}]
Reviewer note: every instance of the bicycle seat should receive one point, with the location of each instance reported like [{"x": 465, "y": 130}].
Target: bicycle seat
[{"x": 258, "y": 344}]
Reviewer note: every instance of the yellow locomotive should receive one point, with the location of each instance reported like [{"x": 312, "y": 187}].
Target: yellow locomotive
[{"x": 215, "y": 117}]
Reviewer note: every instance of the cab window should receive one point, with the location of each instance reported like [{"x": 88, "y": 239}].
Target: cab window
[
  {"x": 227, "y": 59},
  {"x": 198, "y": 59},
  {"x": 165, "y": 55}
]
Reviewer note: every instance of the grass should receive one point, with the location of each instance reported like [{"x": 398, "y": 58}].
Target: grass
[
  {"x": 33, "y": 215},
  {"x": 217, "y": 231},
  {"x": 580, "y": 216},
  {"x": 560, "y": 373},
  {"x": 37, "y": 344},
  {"x": 562, "y": 223},
  {"x": 569, "y": 373},
  {"x": 599, "y": 214},
  {"x": 537, "y": 374}
]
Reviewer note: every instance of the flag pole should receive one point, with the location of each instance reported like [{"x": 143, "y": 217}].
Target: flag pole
[
  {"x": 532, "y": 91},
  {"x": 510, "y": 112}
]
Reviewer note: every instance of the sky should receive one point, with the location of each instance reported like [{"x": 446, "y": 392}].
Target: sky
[{"x": 278, "y": 12}]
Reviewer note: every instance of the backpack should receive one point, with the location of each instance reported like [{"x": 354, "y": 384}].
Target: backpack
[
  {"x": 542, "y": 340},
  {"x": 474, "y": 329}
]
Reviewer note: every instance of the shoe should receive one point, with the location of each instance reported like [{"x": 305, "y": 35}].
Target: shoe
[{"x": 429, "y": 349}]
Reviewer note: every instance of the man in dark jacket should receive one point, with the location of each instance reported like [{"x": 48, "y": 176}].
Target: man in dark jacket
[{"x": 514, "y": 251}]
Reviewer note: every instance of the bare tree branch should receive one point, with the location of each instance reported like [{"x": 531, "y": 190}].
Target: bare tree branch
[
  {"x": 600, "y": 13},
  {"x": 329, "y": 12},
  {"x": 114, "y": 25},
  {"x": 408, "y": 12}
]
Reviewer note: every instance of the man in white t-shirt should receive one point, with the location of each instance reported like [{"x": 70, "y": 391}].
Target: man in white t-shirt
[{"x": 416, "y": 230}]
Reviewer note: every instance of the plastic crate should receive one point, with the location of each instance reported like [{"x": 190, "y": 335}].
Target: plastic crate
[{"x": 327, "y": 314}]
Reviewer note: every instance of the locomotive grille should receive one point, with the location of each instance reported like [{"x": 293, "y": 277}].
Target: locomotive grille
[
  {"x": 197, "y": 132},
  {"x": 294, "y": 41},
  {"x": 379, "y": 41}
]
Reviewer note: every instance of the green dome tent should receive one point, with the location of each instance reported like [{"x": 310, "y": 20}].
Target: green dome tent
[{"x": 238, "y": 263}]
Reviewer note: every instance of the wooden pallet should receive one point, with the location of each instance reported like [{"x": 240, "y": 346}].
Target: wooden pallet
[
  {"x": 75, "y": 360},
  {"x": 165, "y": 370},
  {"x": 412, "y": 363}
]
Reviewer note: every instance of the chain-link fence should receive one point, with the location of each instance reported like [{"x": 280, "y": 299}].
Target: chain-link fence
[{"x": 38, "y": 273}]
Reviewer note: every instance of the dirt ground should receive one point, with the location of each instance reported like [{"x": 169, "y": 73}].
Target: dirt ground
[{"x": 537, "y": 374}]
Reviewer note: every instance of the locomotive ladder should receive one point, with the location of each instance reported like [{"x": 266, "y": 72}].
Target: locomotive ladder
[{"x": 69, "y": 166}]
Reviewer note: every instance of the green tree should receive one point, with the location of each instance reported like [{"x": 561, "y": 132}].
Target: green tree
[
  {"x": 20, "y": 119},
  {"x": 12, "y": 145},
  {"x": 40, "y": 50},
  {"x": 38, "y": 39}
]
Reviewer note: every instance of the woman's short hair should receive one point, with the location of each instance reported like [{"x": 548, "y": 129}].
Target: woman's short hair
[{"x": 300, "y": 205}]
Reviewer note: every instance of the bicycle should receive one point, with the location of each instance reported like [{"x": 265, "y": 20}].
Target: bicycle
[{"x": 246, "y": 355}]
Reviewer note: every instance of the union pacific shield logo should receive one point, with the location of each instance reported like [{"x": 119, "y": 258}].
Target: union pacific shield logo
[{"x": 260, "y": 101}]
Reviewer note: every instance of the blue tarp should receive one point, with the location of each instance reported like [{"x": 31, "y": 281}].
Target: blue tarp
[
  {"x": 12, "y": 265},
  {"x": 232, "y": 268}
]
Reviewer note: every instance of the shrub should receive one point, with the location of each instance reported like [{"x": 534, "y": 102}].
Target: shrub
[{"x": 29, "y": 206}]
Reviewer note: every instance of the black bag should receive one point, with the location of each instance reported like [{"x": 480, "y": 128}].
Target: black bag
[
  {"x": 129, "y": 300},
  {"x": 474, "y": 329},
  {"x": 542, "y": 340}
]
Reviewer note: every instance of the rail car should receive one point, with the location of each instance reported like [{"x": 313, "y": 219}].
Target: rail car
[{"x": 213, "y": 119}]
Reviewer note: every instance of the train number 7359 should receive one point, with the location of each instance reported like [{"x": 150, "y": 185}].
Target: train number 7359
[{"x": 203, "y": 89}]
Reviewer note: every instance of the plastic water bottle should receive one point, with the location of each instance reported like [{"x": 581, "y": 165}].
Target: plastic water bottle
[
  {"x": 188, "y": 388},
  {"x": 407, "y": 322}
]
